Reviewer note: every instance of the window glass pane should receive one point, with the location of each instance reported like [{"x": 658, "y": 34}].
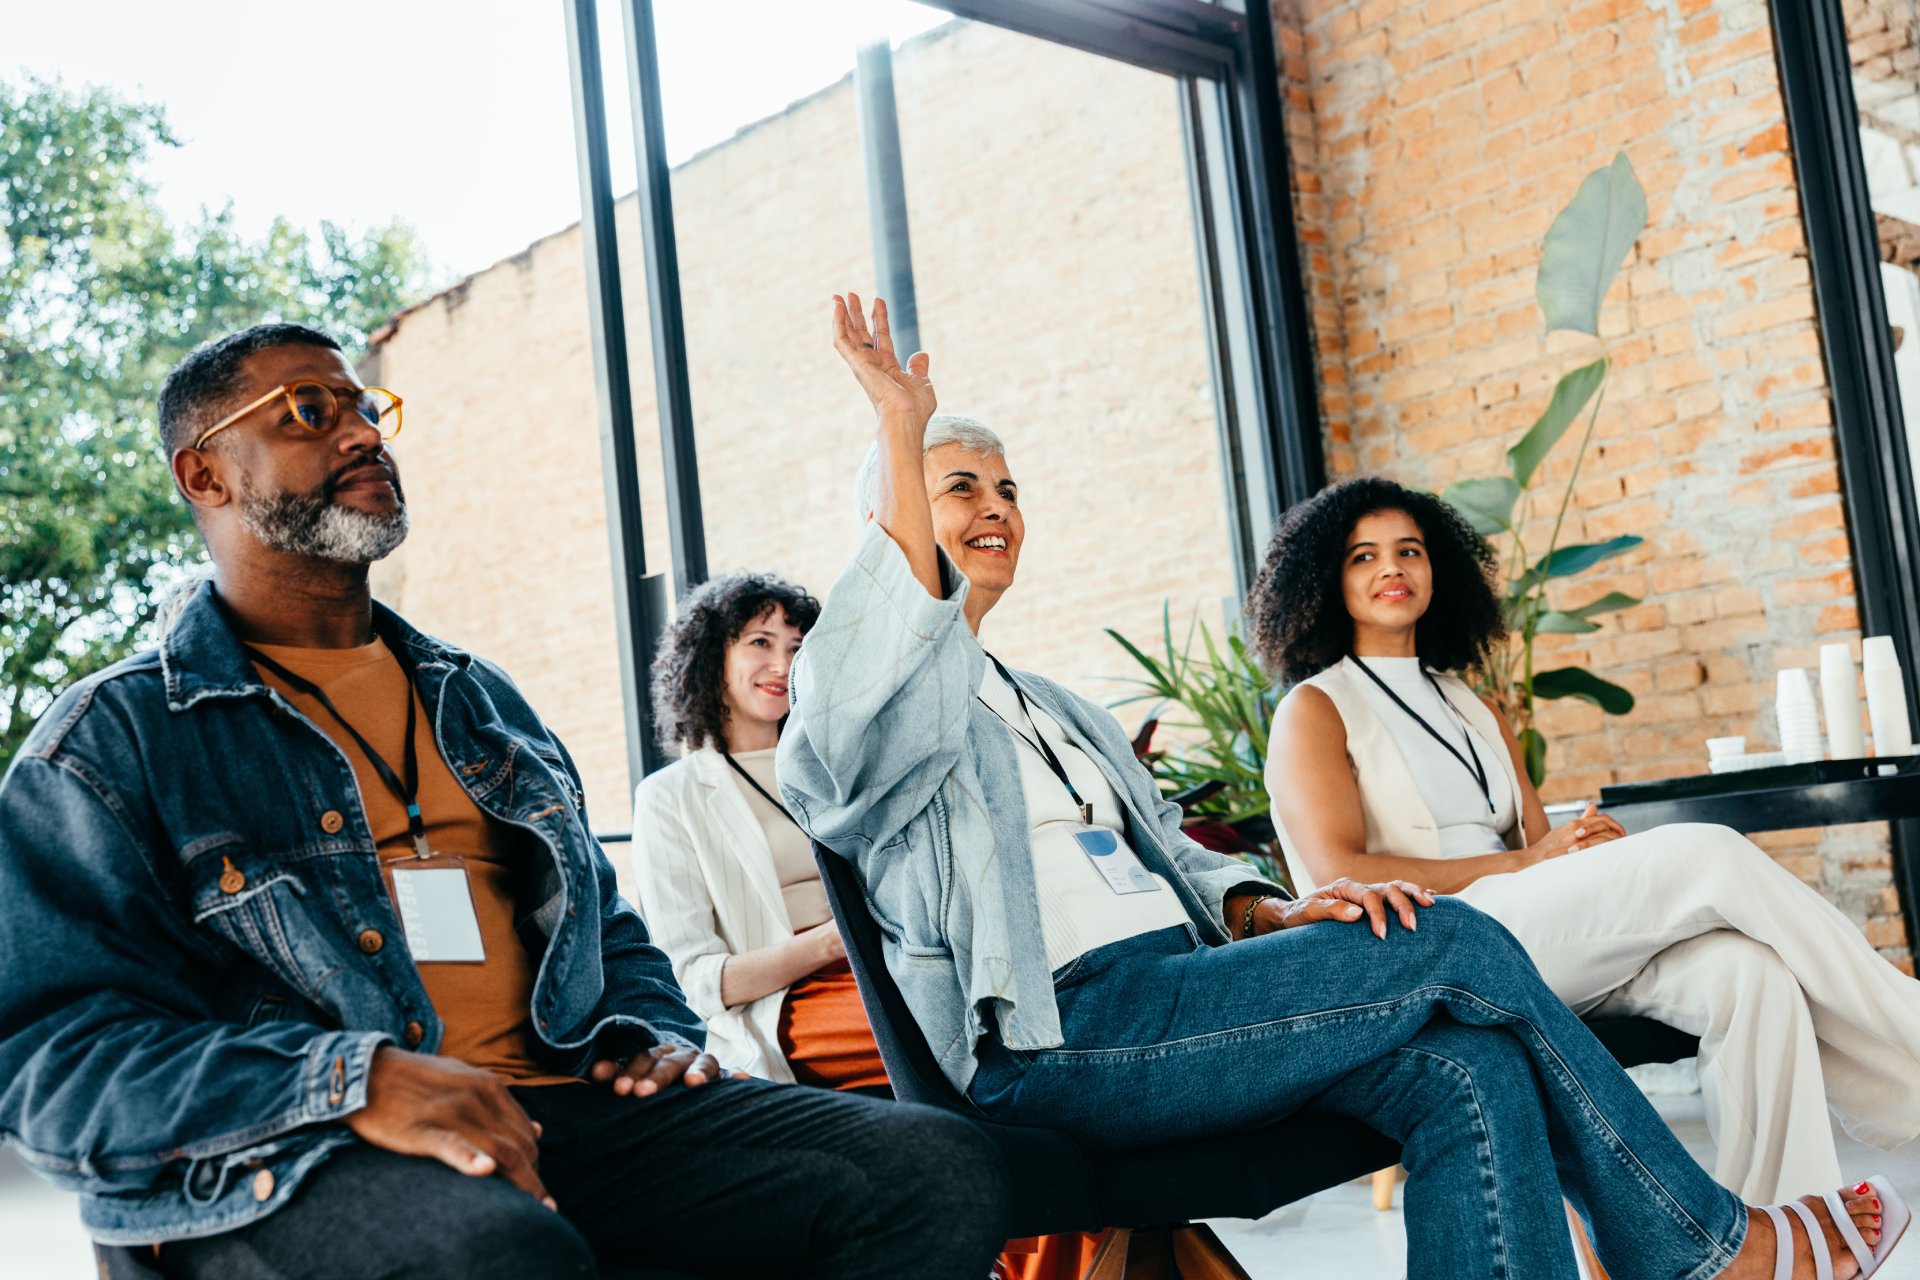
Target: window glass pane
[
  {"x": 1058, "y": 292},
  {"x": 1883, "y": 44}
]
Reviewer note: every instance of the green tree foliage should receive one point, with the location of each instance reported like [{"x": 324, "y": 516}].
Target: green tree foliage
[{"x": 99, "y": 296}]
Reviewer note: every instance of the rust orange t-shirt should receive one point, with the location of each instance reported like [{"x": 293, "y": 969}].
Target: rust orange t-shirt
[{"x": 486, "y": 1006}]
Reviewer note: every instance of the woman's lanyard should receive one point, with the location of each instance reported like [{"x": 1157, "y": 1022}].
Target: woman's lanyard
[
  {"x": 1475, "y": 768},
  {"x": 407, "y": 789},
  {"x": 1038, "y": 741},
  {"x": 772, "y": 800}
]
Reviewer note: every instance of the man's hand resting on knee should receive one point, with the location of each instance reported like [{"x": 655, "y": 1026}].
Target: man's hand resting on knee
[
  {"x": 462, "y": 1116},
  {"x": 658, "y": 1067}
]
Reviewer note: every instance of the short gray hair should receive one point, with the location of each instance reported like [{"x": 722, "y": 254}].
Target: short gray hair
[{"x": 942, "y": 428}]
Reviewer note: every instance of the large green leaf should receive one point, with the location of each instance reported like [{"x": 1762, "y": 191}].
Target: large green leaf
[
  {"x": 1567, "y": 561},
  {"x": 1487, "y": 504},
  {"x": 1533, "y": 749},
  {"x": 1586, "y": 245},
  {"x": 1575, "y": 622},
  {"x": 1578, "y": 682},
  {"x": 1555, "y": 622},
  {"x": 1570, "y": 395},
  {"x": 1608, "y": 603}
]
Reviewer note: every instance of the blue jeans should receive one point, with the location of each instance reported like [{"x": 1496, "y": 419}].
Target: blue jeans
[{"x": 1444, "y": 1039}]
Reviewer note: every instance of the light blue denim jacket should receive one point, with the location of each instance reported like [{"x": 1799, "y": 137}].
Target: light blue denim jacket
[
  {"x": 187, "y": 999},
  {"x": 891, "y": 760}
]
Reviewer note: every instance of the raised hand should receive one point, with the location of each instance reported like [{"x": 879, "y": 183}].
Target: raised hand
[{"x": 902, "y": 397}]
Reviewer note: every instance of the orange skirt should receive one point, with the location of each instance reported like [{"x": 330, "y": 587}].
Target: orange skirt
[{"x": 826, "y": 1040}]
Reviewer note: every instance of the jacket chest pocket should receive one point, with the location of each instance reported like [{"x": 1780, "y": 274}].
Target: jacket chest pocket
[{"x": 273, "y": 912}]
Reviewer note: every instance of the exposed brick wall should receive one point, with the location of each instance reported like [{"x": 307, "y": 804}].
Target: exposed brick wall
[
  {"x": 1058, "y": 290},
  {"x": 1442, "y": 137}
]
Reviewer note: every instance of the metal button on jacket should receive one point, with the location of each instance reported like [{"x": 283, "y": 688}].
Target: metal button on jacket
[
  {"x": 371, "y": 941},
  {"x": 331, "y": 822},
  {"x": 232, "y": 880},
  {"x": 263, "y": 1184},
  {"x": 414, "y": 1034}
]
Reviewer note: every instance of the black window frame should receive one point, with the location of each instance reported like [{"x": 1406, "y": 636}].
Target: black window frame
[{"x": 1870, "y": 437}]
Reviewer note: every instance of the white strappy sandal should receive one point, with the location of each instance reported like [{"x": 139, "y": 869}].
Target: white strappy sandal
[{"x": 1894, "y": 1219}]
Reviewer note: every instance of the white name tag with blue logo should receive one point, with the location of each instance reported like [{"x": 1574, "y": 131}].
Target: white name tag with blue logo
[
  {"x": 436, "y": 910},
  {"x": 1118, "y": 865}
]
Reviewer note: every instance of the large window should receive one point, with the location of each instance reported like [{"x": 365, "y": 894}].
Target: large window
[{"x": 1081, "y": 203}]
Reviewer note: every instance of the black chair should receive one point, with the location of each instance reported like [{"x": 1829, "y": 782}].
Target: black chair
[{"x": 1151, "y": 1195}]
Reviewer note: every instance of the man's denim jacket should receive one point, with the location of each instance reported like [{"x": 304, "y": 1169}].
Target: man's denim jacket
[
  {"x": 891, "y": 760},
  {"x": 190, "y": 984}
]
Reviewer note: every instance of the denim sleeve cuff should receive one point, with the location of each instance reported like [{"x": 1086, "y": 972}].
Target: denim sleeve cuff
[
  {"x": 338, "y": 1066},
  {"x": 882, "y": 560},
  {"x": 1227, "y": 883}
]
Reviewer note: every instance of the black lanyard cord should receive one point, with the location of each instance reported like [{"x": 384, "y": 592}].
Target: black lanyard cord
[
  {"x": 1038, "y": 741},
  {"x": 406, "y": 788},
  {"x": 1475, "y": 768},
  {"x": 770, "y": 799}
]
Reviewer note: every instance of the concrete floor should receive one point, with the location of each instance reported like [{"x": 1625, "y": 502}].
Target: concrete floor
[{"x": 1336, "y": 1235}]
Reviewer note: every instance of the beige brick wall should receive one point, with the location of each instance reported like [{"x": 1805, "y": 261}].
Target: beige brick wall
[
  {"x": 1059, "y": 295},
  {"x": 1435, "y": 142}
]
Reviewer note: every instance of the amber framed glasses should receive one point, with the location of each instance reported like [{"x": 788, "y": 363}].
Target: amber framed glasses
[{"x": 316, "y": 406}]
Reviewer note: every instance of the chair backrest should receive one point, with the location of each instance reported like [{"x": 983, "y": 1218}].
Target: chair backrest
[{"x": 911, "y": 1067}]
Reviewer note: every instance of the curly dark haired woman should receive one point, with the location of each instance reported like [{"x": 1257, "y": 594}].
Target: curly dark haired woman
[
  {"x": 1384, "y": 763},
  {"x": 726, "y": 880}
]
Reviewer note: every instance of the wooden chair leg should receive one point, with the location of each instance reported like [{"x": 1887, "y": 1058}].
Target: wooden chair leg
[
  {"x": 1198, "y": 1254},
  {"x": 1191, "y": 1252},
  {"x": 1383, "y": 1188},
  {"x": 1590, "y": 1267}
]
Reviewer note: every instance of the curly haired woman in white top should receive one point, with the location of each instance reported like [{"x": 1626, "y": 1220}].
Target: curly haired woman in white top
[{"x": 1371, "y": 597}]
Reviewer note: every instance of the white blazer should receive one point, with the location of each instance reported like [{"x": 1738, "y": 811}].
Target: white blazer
[
  {"x": 1397, "y": 818},
  {"x": 708, "y": 890}
]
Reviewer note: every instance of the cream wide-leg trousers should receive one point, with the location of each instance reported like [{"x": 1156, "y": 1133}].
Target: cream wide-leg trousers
[{"x": 1695, "y": 926}]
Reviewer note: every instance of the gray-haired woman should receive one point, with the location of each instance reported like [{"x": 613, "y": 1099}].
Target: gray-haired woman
[{"x": 1075, "y": 962}]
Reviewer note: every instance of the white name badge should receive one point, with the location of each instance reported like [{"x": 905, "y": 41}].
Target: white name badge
[
  {"x": 1115, "y": 862},
  {"x": 436, "y": 910}
]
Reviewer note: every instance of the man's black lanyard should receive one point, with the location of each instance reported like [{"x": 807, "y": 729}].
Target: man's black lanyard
[
  {"x": 772, "y": 800},
  {"x": 1038, "y": 741},
  {"x": 1475, "y": 768},
  {"x": 407, "y": 788}
]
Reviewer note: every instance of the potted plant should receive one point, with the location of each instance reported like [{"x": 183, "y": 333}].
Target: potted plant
[
  {"x": 1584, "y": 250},
  {"x": 1214, "y": 769}
]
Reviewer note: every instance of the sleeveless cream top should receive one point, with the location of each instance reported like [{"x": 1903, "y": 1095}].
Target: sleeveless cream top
[{"x": 1397, "y": 818}]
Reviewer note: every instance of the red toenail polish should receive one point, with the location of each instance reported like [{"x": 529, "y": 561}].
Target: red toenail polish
[{"x": 1860, "y": 1189}]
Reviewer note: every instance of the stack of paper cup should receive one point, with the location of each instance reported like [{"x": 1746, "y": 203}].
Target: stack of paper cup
[
  {"x": 1799, "y": 719},
  {"x": 1886, "y": 698},
  {"x": 1840, "y": 695}
]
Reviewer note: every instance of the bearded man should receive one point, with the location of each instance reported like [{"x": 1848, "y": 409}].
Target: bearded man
[{"x": 312, "y": 966}]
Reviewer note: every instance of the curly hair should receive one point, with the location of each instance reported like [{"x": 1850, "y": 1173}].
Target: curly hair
[
  {"x": 1297, "y": 612},
  {"x": 689, "y": 672}
]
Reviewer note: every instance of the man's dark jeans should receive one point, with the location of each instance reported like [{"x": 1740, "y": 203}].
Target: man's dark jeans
[{"x": 734, "y": 1178}]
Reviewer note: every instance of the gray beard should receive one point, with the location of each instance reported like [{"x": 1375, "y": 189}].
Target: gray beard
[{"x": 313, "y": 524}]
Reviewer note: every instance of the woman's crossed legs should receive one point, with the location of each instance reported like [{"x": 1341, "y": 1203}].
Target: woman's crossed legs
[{"x": 1444, "y": 1038}]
